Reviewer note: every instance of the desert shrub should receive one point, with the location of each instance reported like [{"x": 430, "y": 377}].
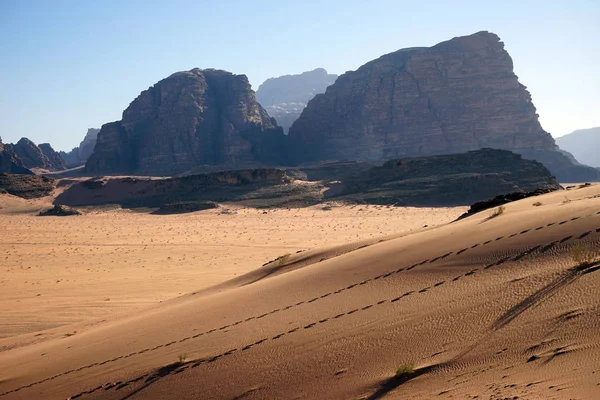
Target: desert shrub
[
  {"x": 405, "y": 370},
  {"x": 182, "y": 357},
  {"x": 537, "y": 204},
  {"x": 583, "y": 254},
  {"x": 497, "y": 212},
  {"x": 281, "y": 260}
]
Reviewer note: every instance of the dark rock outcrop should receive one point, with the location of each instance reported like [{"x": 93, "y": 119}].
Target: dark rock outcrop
[
  {"x": 26, "y": 186},
  {"x": 584, "y": 144},
  {"x": 9, "y": 161},
  {"x": 503, "y": 199},
  {"x": 185, "y": 207},
  {"x": 144, "y": 192},
  {"x": 31, "y": 155},
  {"x": 59, "y": 211},
  {"x": 197, "y": 117},
  {"x": 456, "y": 96},
  {"x": 285, "y": 97},
  {"x": 80, "y": 154},
  {"x": 55, "y": 160},
  {"x": 454, "y": 179}
]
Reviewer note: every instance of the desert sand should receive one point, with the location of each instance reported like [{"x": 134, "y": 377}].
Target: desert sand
[{"x": 484, "y": 307}]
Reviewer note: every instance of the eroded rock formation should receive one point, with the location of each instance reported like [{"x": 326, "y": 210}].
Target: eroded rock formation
[
  {"x": 80, "y": 154},
  {"x": 9, "y": 161},
  {"x": 55, "y": 160},
  {"x": 456, "y": 96},
  {"x": 453, "y": 179},
  {"x": 191, "y": 118}
]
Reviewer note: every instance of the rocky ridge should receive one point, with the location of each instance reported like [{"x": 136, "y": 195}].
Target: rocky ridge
[
  {"x": 456, "y": 96},
  {"x": 453, "y": 179},
  {"x": 80, "y": 154},
  {"x": 9, "y": 161},
  {"x": 191, "y": 118},
  {"x": 55, "y": 160},
  {"x": 286, "y": 96},
  {"x": 584, "y": 144}
]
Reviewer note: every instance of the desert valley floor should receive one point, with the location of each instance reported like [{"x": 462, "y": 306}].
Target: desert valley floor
[{"x": 117, "y": 304}]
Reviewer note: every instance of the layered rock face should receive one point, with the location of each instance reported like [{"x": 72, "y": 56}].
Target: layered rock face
[
  {"x": 31, "y": 154},
  {"x": 285, "y": 97},
  {"x": 9, "y": 161},
  {"x": 27, "y": 186},
  {"x": 42, "y": 156},
  {"x": 197, "y": 117},
  {"x": 453, "y": 179},
  {"x": 456, "y": 96},
  {"x": 80, "y": 154},
  {"x": 55, "y": 160},
  {"x": 584, "y": 144}
]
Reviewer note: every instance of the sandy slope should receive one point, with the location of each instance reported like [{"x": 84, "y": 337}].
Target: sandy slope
[
  {"x": 484, "y": 308},
  {"x": 59, "y": 271}
]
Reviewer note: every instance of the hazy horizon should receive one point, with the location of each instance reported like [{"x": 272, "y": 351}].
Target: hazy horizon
[{"x": 71, "y": 66}]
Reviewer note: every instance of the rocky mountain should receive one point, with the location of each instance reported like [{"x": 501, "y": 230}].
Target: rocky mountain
[
  {"x": 453, "y": 179},
  {"x": 584, "y": 144},
  {"x": 285, "y": 97},
  {"x": 191, "y": 118},
  {"x": 456, "y": 96},
  {"x": 31, "y": 155},
  {"x": 55, "y": 160},
  {"x": 80, "y": 154},
  {"x": 9, "y": 161},
  {"x": 34, "y": 156}
]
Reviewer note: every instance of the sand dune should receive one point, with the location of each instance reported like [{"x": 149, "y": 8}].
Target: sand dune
[{"x": 482, "y": 308}]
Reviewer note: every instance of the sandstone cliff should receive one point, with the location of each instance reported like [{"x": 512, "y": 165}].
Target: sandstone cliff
[
  {"x": 80, "y": 154},
  {"x": 9, "y": 161},
  {"x": 31, "y": 154},
  {"x": 456, "y": 96},
  {"x": 55, "y": 160},
  {"x": 285, "y": 97},
  {"x": 197, "y": 117}
]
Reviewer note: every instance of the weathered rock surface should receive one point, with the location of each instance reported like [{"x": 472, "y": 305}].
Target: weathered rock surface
[
  {"x": 31, "y": 154},
  {"x": 144, "y": 192},
  {"x": 285, "y": 97},
  {"x": 55, "y": 160},
  {"x": 9, "y": 161},
  {"x": 456, "y": 96},
  {"x": 80, "y": 154},
  {"x": 197, "y": 117},
  {"x": 584, "y": 144},
  {"x": 26, "y": 186},
  {"x": 454, "y": 179}
]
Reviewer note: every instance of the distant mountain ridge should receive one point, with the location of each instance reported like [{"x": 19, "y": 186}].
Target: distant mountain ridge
[
  {"x": 80, "y": 154},
  {"x": 584, "y": 144},
  {"x": 286, "y": 96}
]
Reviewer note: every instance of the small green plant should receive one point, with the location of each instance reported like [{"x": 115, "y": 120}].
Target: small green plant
[
  {"x": 497, "y": 212},
  {"x": 537, "y": 204},
  {"x": 405, "y": 370},
  {"x": 281, "y": 260},
  {"x": 182, "y": 357},
  {"x": 583, "y": 254}
]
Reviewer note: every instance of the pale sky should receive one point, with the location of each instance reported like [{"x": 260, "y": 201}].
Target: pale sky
[{"x": 70, "y": 65}]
